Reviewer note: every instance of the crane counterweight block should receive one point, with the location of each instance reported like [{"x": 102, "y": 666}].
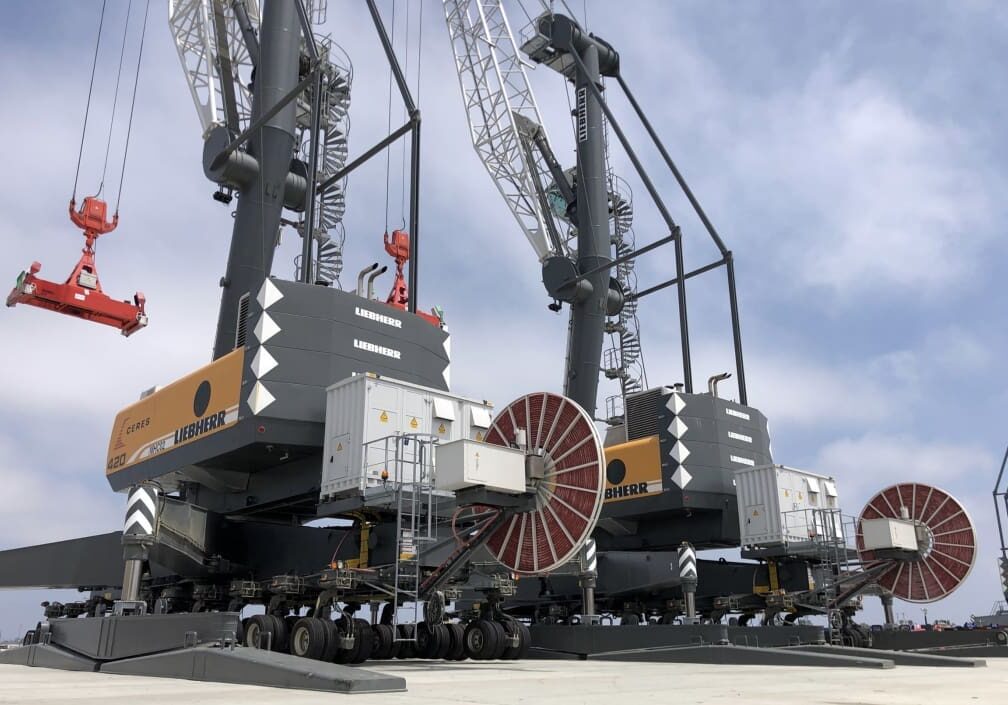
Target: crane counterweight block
[{"x": 81, "y": 294}]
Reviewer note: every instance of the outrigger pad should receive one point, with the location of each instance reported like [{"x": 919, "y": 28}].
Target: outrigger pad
[
  {"x": 126, "y": 636},
  {"x": 247, "y": 666},
  {"x": 47, "y": 656},
  {"x": 744, "y": 656}
]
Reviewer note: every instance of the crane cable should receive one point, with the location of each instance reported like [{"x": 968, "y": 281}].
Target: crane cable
[
  {"x": 129, "y": 126},
  {"x": 87, "y": 109},
  {"x": 402, "y": 167},
  {"x": 115, "y": 97},
  {"x": 388, "y": 150},
  {"x": 115, "y": 100}
]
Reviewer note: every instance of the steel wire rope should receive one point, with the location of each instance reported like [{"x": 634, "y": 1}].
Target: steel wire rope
[
  {"x": 388, "y": 150},
  {"x": 521, "y": 5},
  {"x": 129, "y": 126},
  {"x": 418, "y": 54},
  {"x": 416, "y": 102},
  {"x": 402, "y": 191},
  {"x": 115, "y": 95},
  {"x": 87, "y": 107}
]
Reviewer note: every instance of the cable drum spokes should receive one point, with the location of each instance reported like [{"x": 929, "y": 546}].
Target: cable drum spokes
[
  {"x": 945, "y": 533},
  {"x": 569, "y": 493}
]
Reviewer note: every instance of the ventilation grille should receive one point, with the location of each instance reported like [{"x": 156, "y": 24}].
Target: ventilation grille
[
  {"x": 642, "y": 413},
  {"x": 241, "y": 329}
]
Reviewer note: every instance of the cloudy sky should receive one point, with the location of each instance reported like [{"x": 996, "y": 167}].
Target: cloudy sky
[{"x": 852, "y": 156}]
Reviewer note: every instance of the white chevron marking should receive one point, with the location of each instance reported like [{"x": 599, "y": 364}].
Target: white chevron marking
[
  {"x": 140, "y": 520},
  {"x": 141, "y": 495}
]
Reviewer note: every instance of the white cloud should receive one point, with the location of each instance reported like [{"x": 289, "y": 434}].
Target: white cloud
[
  {"x": 871, "y": 461},
  {"x": 894, "y": 198},
  {"x": 831, "y": 175},
  {"x": 44, "y": 501}
]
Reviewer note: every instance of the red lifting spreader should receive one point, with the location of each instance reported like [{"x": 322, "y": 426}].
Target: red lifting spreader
[{"x": 81, "y": 295}]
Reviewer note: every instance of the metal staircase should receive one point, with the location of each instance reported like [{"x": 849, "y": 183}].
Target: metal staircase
[
  {"x": 328, "y": 226},
  {"x": 623, "y": 360}
]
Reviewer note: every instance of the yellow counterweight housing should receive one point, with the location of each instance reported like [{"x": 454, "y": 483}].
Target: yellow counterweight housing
[
  {"x": 199, "y": 404},
  {"x": 633, "y": 470}
]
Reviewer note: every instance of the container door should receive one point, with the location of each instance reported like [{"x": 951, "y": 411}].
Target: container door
[
  {"x": 442, "y": 419},
  {"x": 339, "y": 458},
  {"x": 479, "y": 418},
  {"x": 384, "y": 419},
  {"x": 416, "y": 417},
  {"x": 756, "y": 521}
]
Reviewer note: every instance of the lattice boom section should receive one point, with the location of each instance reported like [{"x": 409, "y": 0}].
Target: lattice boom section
[
  {"x": 569, "y": 496},
  {"x": 948, "y": 556}
]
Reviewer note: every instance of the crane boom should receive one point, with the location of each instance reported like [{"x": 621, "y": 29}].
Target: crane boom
[
  {"x": 495, "y": 89},
  {"x": 196, "y": 40}
]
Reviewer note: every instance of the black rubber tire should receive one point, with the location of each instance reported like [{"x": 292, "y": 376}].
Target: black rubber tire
[
  {"x": 257, "y": 630},
  {"x": 524, "y": 640},
  {"x": 502, "y": 641},
  {"x": 240, "y": 631},
  {"x": 428, "y": 640},
  {"x": 281, "y": 634},
  {"x": 668, "y": 618},
  {"x": 407, "y": 649},
  {"x": 630, "y": 619},
  {"x": 444, "y": 641},
  {"x": 456, "y": 645},
  {"x": 481, "y": 640},
  {"x": 331, "y": 640},
  {"x": 866, "y": 635},
  {"x": 363, "y": 642},
  {"x": 383, "y": 642},
  {"x": 343, "y": 625},
  {"x": 510, "y": 627},
  {"x": 396, "y": 645},
  {"x": 387, "y": 614},
  {"x": 308, "y": 638}
]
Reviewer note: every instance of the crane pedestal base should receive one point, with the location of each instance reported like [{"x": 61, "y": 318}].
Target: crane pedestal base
[{"x": 198, "y": 646}]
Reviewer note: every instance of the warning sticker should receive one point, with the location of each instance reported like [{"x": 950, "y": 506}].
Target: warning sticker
[
  {"x": 479, "y": 436},
  {"x": 339, "y": 447},
  {"x": 413, "y": 423},
  {"x": 441, "y": 428},
  {"x": 384, "y": 417}
]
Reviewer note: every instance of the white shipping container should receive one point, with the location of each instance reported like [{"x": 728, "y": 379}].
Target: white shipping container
[
  {"x": 888, "y": 534},
  {"x": 466, "y": 463},
  {"x": 779, "y": 505},
  {"x": 363, "y": 409}
]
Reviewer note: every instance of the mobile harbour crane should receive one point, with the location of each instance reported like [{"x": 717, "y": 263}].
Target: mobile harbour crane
[{"x": 261, "y": 427}]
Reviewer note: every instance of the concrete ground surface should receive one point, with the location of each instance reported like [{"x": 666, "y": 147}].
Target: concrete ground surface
[{"x": 566, "y": 682}]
